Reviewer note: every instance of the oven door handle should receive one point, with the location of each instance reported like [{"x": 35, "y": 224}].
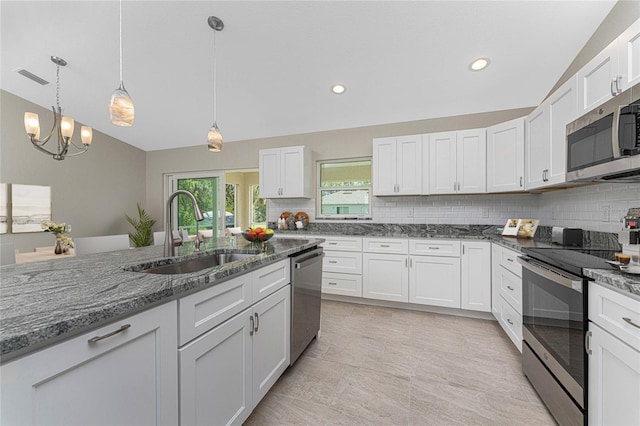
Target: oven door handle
[{"x": 556, "y": 275}]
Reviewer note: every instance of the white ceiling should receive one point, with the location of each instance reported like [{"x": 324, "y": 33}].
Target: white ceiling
[{"x": 400, "y": 61}]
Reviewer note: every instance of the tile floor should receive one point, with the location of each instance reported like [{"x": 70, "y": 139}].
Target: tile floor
[{"x": 378, "y": 366}]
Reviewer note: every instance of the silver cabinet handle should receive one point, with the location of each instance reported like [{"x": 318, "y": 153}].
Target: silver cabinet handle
[
  {"x": 332, "y": 243},
  {"x": 613, "y": 87},
  {"x": 257, "y": 321},
  {"x": 406, "y": 264},
  {"x": 332, "y": 283},
  {"x": 385, "y": 245},
  {"x": 587, "y": 343},
  {"x": 463, "y": 249},
  {"x": 630, "y": 321},
  {"x": 509, "y": 321},
  {"x": 113, "y": 333},
  {"x": 251, "y": 325},
  {"x": 434, "y": 248},
  {"x": 618, "y": 84},
  {"x": 520, "y": 181},
  {"x": 509, "y": 259},
  {"x": 510, "y": 288},
  {"x": 333, "y": 261},
  {"x": 410, "y": 263}
]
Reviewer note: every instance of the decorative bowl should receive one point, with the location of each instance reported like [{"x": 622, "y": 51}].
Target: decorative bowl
[{"x": 253, "y": 237}]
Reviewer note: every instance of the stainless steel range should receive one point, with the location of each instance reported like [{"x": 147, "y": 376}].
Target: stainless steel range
[{"x": 554, "y": 305}]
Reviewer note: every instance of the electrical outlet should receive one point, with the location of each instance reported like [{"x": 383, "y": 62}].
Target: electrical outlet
[
  {"x": 605, "y": 212},
  {"x": 410, "y": 212},
  {"x": 485, "y": 212}
]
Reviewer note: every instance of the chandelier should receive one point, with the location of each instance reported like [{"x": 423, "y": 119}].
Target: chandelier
[
  {"x": 214, "y": 137},
  {"x": 62, "y": 126}
]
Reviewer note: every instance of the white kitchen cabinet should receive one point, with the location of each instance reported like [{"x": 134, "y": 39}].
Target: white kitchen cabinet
[
  {"x": 457, "y": 162},
  {"x": 385, "y": 276},
  {"x": 614, "y": 69},
  {"x": 506, "y": 292},
  {"x": 435, "y": 280},
  {"x": 397, "y": 165},
  {"x": 613, "y": 345},
  {"x": 505, "y": 156},
  {"x": 475, "y": 280},
  {"x": 546, "y": 147},
  {"x": 342, "y": 266},
  {"x": 128, "y": 378},
  {"x": 285, "y": 172}
]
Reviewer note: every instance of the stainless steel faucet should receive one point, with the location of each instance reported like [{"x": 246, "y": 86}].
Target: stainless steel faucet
[{"x": 169, "y": 247}]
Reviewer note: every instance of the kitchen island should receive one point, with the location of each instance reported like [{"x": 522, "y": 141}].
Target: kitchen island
[{"x": 46, "y": 302}]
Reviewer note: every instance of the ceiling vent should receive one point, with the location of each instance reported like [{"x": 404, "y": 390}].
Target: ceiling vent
[{"x": 32, "y": 76}]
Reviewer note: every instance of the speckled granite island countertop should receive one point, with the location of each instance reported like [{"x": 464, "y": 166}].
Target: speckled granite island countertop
[{"x": 42, "y": 303}]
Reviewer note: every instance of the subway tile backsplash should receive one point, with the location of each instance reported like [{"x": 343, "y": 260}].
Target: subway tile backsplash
[{"x": 597, "y": 207}]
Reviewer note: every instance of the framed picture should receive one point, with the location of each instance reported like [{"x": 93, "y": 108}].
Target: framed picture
[
  {"x": 30, "y": 206},
  {"x": 511, "y": 228},
  {"x": 4, "y": 208}
]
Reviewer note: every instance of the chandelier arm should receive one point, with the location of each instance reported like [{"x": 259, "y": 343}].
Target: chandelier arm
[
  {"x": 41, "y": 149},
  {"x": 76, "y": 146},
  {"x": 78, "y": 153}
]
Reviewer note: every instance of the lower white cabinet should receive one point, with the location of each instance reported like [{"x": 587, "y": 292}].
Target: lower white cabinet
[
  {"x": 127, "y": 378},
  {"x": 506, "y": 292},
  {"x": 614, "y": 357},
  {"x": 475, "y": 280},
  {"x": 435, "y": 280},
  {"x": 228, "y": 370},
  {"x": 385, "y": 276}
]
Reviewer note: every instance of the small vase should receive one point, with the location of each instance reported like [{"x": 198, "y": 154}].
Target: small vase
[{"x": 58, "y": 249}]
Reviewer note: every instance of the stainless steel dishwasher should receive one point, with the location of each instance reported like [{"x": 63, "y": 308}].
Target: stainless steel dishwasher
[{"x": 306, "y": 289}]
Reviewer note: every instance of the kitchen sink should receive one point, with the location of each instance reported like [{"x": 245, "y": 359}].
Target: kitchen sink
[{"x": 198, "y": 263}]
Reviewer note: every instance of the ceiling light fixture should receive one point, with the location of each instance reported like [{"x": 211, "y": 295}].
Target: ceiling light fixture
[
  {"x": 121, "y": 105},
  {"x": 479, "y": 64},
  {"x": 63, "y": 126},
  {"x": 338, "y": 89},
  {"x": 214, "y": 137}
]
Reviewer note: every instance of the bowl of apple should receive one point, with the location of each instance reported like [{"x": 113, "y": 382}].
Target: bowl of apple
[{"x": 258, "y": 234}]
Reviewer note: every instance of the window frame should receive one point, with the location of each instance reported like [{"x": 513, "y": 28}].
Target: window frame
[{"x": 320, "y": 188}]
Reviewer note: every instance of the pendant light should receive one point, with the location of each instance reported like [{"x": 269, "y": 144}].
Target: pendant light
[
  {"x": 214, "y": 137},
  {"x": 121, "y": 105}
]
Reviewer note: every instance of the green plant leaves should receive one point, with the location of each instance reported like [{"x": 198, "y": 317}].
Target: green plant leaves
[{"x": 142, "y": 225}]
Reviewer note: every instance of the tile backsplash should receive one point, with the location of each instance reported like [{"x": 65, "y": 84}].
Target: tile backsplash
[{"x": 596, "y": 207}]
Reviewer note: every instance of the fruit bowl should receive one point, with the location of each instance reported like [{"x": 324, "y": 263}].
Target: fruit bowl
[{"x": 257, "y": 235}]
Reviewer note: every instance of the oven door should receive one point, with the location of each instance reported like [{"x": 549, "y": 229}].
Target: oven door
[{"x": 553, "y": 310}]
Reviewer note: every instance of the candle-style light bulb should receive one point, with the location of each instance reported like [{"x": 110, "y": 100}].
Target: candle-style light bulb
[{"x": 66, "y": 127}]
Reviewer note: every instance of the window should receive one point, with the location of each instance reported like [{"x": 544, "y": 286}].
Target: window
[
  {"x": 258, "y": 208},
  {"x": 207, "y": 188},
  {"x": 344, "y": 189},
  {"x": 230, "y": 205}
]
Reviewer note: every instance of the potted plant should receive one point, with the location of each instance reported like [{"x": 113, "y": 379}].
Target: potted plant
[{"x": 142, "y": 225}]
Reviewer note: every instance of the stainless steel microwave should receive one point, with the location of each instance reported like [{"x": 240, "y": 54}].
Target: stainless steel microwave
[{"x": 604, "y": 145}]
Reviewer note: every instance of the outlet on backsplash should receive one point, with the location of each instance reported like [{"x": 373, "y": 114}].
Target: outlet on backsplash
[
  {"x": 605, "y": 212},
  {"x": 485, "y": 212}
]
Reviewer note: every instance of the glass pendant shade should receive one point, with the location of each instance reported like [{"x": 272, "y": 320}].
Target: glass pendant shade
[
  {"x": 121, "y": 107},
  {"x": 214, "y": 139},
  {"x": 86, "y": 134},
  {"x": 32, "y": 124},
  {"x": 66, "y": 126}
]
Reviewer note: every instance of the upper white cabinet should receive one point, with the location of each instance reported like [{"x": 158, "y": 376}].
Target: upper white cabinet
[
  {"x": 121, "y": 374},
  {"x": 285, "y": 172},
  {"x": 457, "y": 162},
  {"x": 505, "y": 156},
  {"x": 397, "y": 165},
  {"x": 546, "y": 137},
  {"x": 614, "y": 69}
]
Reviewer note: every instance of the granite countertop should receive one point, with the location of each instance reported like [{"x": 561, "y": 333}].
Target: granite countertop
[
  {"x": 626, "y": 283},
  {"x": 45, "y": 302}
]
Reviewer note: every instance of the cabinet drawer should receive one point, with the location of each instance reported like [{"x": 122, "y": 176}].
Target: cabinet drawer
[
  {"x": 511, "y": 322},
  {"x": 385, "y": 245},
  {"x": 343, "y": 262},
  {"x": 206, "y": 309},
  {"x": 608, "y": 309},
  {"x": 510, "y": 288},
  {"x": 342, "y": 244},
  {"x": 508, "y": 259},
  {"x": 270, "y": 278},
  {"x": 435, "y": 247},
  {"x": 344, "y": 284}
]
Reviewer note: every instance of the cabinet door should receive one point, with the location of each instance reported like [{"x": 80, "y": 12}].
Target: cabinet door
[
  {"x": 476, "y": 276},
  {"x": 537, "y": 146},
  {"x": 596, "y": 80},
  {"x": 629, "y": 56},
  {"x": 409, "y": 165},
  {"x": 344, "y": 262},
  {"x": 614, "y": 374},
  {"x": 292, "y": 179},
  {"x": 471, "y": 158},
  {"x": 270, "y": 278},
  {"x": 383, "y": 166},
  {"x": 216, "y": 376},
  {"x": 505, "y": 156},
  {"x": 344, "y": 284},
  {"x": 562, "y": 111},
  {"x": 435, "y": 281},
  {"x": 385, "y": 277},
  {"x": 442, "y": 163},
  {"x": 271, "y": 341},
  {"x": 495, "y": 277},
  {"x": 129, "y": 378},
  {"x": 269, "y": 173}
]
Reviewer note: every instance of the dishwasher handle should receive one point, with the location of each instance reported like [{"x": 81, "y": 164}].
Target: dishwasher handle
[{"x": 308, "y": 258}]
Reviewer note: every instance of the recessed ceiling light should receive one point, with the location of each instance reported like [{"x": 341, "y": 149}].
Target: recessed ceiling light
[
  {"x": 338, "y": 89},
  {"x": 479, "y": 64}
]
